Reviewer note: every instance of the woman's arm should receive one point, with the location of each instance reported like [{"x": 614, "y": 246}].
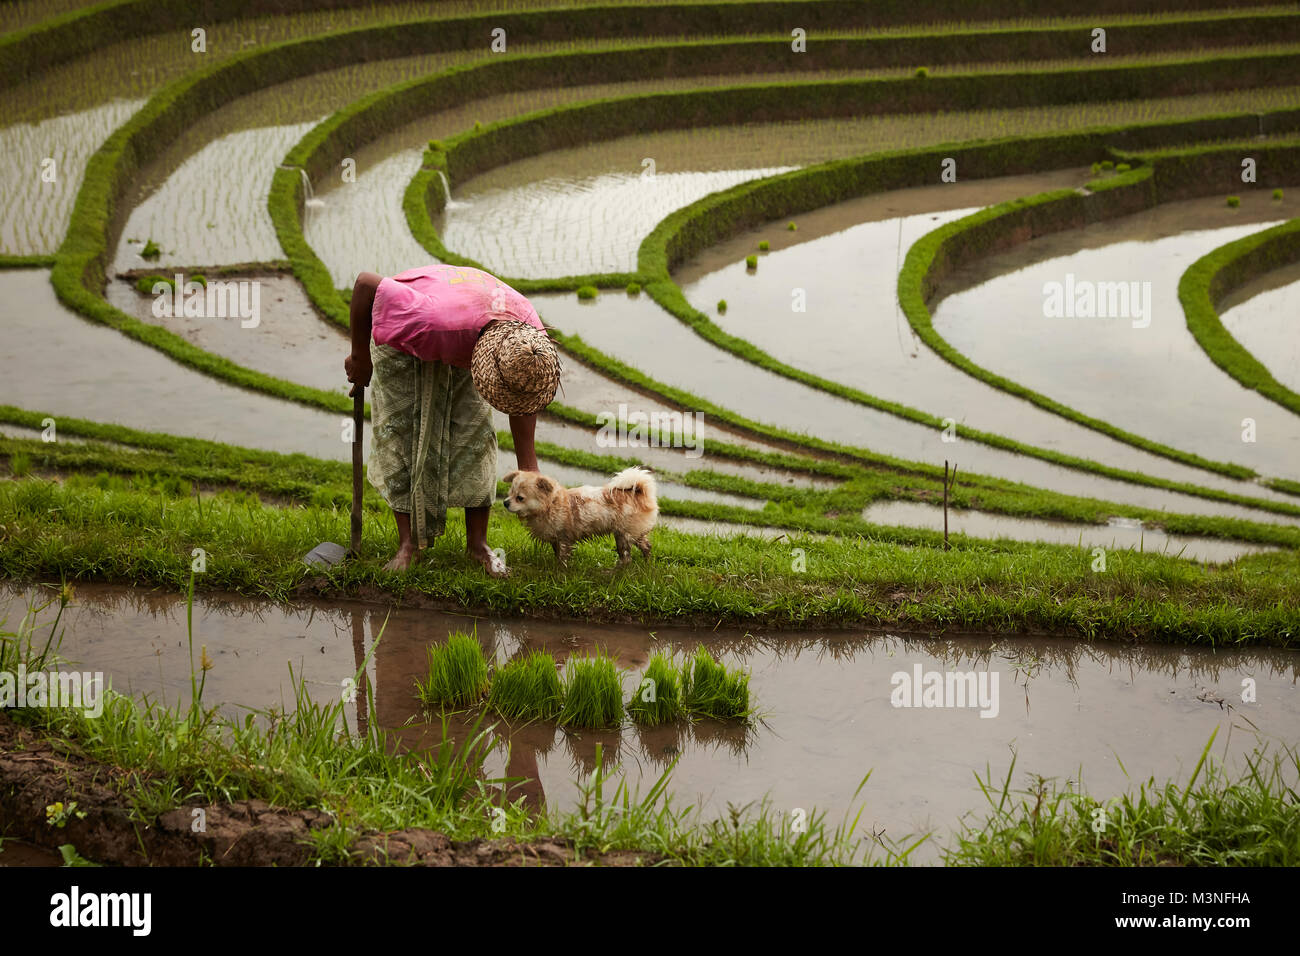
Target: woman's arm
[
  {"x": 357, "y": 365},
  {"x": 522, "y": 429}
]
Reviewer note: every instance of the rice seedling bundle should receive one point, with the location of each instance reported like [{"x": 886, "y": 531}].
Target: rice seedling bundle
[
  {"x": 658, "y": 698},
  {"x": 527, "y": 689},
  {"x": 593, "y": 694},
  {"x": 458, "y": 673}
]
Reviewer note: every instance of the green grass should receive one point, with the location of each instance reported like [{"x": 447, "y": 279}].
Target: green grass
[
  {"x": 751, "y": 262},
  {"x": 1277, "y": 194},
  {"x": 458, "y": 673},
  {"x": 1210, "y": 820},
  {"x": 660, "y": 700},
  {"x": 1234, "y": 202},
  {"x": 722, "y": 306},
  {"x": 764, "y": 245},
  {"x": 634, "y": 288},
  {"x": 593, "y": 693},
  {"x": 527, "y": 688},
  {"x": 150, "y": 250},
  {"x": 146, "y": 284},
  {"x": 922, "y": 72},
  {"x": 710, "y": 689},
  {"x": 587, "y": 292},
  {"x": 882, "y": 577},
  {"x": 20, "y": 465}
]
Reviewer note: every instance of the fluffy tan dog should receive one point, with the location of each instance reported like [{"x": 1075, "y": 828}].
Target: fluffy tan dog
[{"x": 625, "y": 506}]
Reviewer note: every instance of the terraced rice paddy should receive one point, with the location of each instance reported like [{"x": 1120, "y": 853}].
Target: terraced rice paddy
[
  {"x": 798, "y": 275},
  {"x": 1159, "y": 383}
]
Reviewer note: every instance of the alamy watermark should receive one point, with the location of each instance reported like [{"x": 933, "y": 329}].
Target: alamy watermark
[
  {"x": 1085, "y": 299},
  {"x": 623, "y": 429},
  {"x": 212, "y": 299},
  {"x": 76, "y": 690},
  {"x": 922, "y": 688}
]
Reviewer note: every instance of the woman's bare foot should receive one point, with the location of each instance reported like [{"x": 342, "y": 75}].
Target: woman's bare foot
[
  {"x": 492, "y": 562},
  {"x": 402, "y": 560}
]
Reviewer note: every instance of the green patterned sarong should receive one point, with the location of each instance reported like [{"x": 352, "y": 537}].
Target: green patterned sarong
[{"x": 434, "y": 446}]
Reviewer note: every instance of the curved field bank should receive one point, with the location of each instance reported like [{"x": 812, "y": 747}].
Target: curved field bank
[{"x": 1213, "y": 277}]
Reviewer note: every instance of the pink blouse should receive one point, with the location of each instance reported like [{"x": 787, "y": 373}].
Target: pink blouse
[{"x": 436, "y": 312}]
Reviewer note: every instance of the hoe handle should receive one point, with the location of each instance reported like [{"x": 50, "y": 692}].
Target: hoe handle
[{"x": 358, "y": 423}]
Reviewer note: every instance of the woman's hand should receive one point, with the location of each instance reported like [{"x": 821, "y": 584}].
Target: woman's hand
[{"x": 359, "y": 369}]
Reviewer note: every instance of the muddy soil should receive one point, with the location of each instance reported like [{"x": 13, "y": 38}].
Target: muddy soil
[{"x": 35, "y": 773}]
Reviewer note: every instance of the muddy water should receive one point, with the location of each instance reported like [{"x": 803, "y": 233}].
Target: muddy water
[
  {"x": 212, "y": 211},
  {"x": 1062, "y": 705},
  {"x": 641, "y": 334},
  {"x": 849, "y": 253},
  {"x": 16, "y": 853},
  {"x": 981, "y": 524},
  {"x": 1154, "y": 380},
  {"x": 1262, "y": 316},
  {"x": 289, "y": 341}
]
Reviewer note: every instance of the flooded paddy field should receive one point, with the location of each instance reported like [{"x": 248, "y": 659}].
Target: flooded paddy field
[
  {"x": 845, "y": 258},
  {"x": 594, "y": 214},
  {"x": 1067, "y": 709},
  {"x": 1264, "y": 316},
  {"x": 1145, "y": 373}
]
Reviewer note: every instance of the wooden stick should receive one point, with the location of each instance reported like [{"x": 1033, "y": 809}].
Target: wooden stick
[
  {"x": 945, "y": 504},
  {"x": 358, "y": 423}
]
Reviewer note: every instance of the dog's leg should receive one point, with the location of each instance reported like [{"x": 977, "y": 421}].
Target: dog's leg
[
  {"x": 624, "y": 546},
  {"x": 643, "y": 543},
  {"x": 562, "y": 551}
]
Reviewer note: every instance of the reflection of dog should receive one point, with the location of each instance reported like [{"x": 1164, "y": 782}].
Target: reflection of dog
[{"x": 625, "y": 507}]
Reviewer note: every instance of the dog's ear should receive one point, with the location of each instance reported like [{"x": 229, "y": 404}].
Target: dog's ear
[
  {"x": 544, "y": 486},
  {"x": 509, "y": 479}
]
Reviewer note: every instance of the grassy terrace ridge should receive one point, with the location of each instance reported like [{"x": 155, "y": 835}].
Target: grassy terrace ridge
[
  {"x": 37, "y": 47},
  {"x": 302, "y": 479},
  {"x": 145, "y": 536},
  {"x": 1143, "y": 187},
  {"x": 1213, "y": 276}
]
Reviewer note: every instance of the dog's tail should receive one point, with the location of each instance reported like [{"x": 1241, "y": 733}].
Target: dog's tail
[{"x": 640, "y": 482}]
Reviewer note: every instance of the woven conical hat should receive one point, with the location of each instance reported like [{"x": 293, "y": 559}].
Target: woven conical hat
[{"x": 516, "y": 368}]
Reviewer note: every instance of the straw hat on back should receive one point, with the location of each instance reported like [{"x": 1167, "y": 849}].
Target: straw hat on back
[{"x": 515, "y": 367}]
